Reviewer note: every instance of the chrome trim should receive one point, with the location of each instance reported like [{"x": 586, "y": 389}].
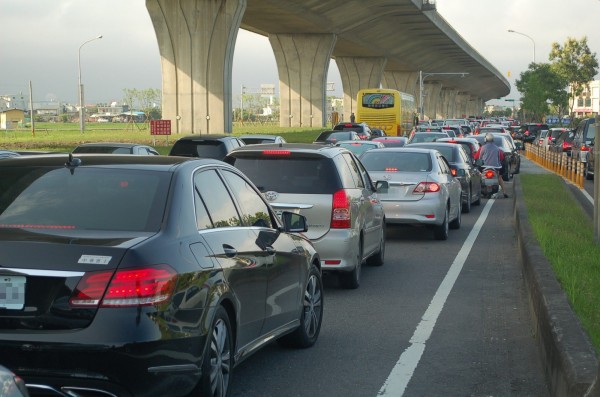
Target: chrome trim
[
  {"x": 182, "y": 368},
  {"x": 41, "y": 272}
]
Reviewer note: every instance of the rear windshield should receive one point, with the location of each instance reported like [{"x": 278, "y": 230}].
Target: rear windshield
[
  {"x": 103, "y": 149},
  {"x": 392, "y": 161},
  {"x": 334, "y": 136},
  {"x": 207, "y": 149},
  {"x": 290, "y": 175},
  {"x": 87, "y": 199}
]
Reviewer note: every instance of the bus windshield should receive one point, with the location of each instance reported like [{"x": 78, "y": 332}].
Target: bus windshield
[{"x": 377, "y": 100}]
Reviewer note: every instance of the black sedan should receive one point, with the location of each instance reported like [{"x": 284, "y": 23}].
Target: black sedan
[
  {"x": 146, "y": 275},
  {"x": 116, "y": 148},
  {"x": 463, "y": 168}
]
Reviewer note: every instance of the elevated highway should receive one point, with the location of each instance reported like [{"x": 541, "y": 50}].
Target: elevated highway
[{"x": 383, "y": 42}]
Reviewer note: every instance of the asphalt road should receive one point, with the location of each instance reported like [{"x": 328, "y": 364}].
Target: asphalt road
[{"x": 440, "y": 318}]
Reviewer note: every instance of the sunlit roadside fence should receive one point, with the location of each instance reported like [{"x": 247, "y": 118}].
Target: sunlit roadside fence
[{"x": 557, "y": 162}]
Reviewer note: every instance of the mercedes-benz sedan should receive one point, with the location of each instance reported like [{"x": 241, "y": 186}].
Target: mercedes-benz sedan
[{"x": 145, "y": 275}]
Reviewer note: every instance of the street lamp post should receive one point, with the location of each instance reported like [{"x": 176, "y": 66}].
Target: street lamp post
[
  {"x": 529, "y": 37},
  {"x": 423, "y": 76},
  {"x": 81, "y": 112}
]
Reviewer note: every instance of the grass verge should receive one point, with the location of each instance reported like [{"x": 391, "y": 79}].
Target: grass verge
[{"x": 566, "y": 236}]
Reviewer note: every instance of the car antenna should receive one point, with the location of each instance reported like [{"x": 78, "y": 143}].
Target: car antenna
[{"x": 73, "y": 162}]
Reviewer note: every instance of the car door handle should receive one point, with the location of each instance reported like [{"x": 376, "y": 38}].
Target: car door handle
[{"x": 230, "y": 252}]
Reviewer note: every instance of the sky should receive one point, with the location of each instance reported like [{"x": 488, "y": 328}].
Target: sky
[{"x": 41, "y": 39}]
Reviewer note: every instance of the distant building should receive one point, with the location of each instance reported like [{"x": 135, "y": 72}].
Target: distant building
[
  {"x": 13, "y": 102},
  {"x": 588, "y": 103},
  {"x": 11, "y": 118}
]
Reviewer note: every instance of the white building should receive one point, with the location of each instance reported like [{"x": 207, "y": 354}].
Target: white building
[{"x": 588, "y": 103}]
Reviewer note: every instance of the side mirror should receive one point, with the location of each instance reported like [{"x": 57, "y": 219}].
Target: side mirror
[
  {"x": 479, "y": 162},
  {"x": 382, "y": 186},
  {"x": 293, "y": 222}
]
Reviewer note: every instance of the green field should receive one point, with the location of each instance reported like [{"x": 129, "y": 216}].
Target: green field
[{"x": 65, "y": 136}]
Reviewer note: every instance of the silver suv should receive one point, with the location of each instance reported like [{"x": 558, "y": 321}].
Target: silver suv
[{"x": 329, "y": 186}]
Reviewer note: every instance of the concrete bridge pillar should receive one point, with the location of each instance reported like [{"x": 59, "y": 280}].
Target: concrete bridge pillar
[
  {"x": 449, "y": 102},
  {"x": 358, "y": 73},
  {"x": 463, "y": 102},
  {"x": 432, "y": 98},
  {"x": 302, "y": 62},
  {"x": 196, "y": 39},
  {"x": 407, "y": 82}
]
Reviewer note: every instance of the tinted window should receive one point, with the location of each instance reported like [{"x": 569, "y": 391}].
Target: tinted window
[
  {"x": 208, "y": 149},
  {"x": 102, "y": 149},
  {"x": 215, "y": 196},
  {"x": 383, "y": 160},
  {"x": 254, "y": 210},
  {"x": 87, "y": 199},
  {"x": 312, "y": 175},
  {"x": 335, "y": 136},
  {"x": 354, "y": 170}
]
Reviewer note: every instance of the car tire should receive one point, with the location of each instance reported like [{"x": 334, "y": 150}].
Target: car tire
[
  {"x": 455, "y": 224},
  {"x": 466, "y": 206},
  {"x": 586, "y": 172},
  {"x": 217, "y": 362},
  {"x": 351, "y": 280},
  {"x": 440, "y": 232},
  {"x": 312, "y": 314},
  {"x": 478, "y": 201},
  {"x": 378, "y": 258}
]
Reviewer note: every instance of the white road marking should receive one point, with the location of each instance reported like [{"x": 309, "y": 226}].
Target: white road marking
[{"x": 396, "y": 383}]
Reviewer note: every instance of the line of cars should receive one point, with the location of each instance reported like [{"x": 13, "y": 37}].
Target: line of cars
[{"x": 156, "y": 275}]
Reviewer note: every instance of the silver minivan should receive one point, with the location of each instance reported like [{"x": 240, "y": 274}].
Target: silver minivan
[{"x": 330, "y": 186}]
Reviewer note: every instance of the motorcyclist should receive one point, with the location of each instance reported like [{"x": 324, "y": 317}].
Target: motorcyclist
[{"x": 492, "y": 156}]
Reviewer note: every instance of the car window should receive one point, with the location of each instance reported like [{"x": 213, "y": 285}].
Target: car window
[
  {"x": 84, "y": 199},
  {"x": 392, "y": 161},
  {"x": 254, "y": 210},
  {"x": 216, "y": 198},
  {"x": 209, "y": 149},
  {"x": 444, "y": 167},
  {"x": 354, "y": 170},
  {"x": 285, "y": 174}
]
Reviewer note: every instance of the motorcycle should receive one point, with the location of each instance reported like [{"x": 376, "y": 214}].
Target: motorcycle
[{"x": 489, "y": 181}]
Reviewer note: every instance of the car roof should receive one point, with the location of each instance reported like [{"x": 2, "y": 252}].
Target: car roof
[
  {"x": 262, "y": 136},
  {"x": 297, "y": 148},
  {"x": 110, "y": 144},
  {"x": 207, "y": 137},
  {"x": 62, "y": 159}
]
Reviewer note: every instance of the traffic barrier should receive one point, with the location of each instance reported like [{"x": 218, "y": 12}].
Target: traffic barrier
[{"x": 559, "y": 163}]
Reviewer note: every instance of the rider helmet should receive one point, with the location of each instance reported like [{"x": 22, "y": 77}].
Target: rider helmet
[{"x": 489, "y": 137}]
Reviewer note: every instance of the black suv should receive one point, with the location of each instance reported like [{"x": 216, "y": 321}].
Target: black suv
[
  {"x": 363, "y": 130},
  {"x": 530, "y": 131},
  {"x": 206, "y": 146},
  {"x": 583, "y": 145}
]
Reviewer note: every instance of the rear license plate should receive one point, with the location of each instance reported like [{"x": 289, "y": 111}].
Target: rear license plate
[{"x": 12, "y": 292}]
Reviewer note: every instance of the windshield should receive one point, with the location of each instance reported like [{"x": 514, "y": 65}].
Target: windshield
[
  {"x": 392, "y": 161},
  {"x": 88, "y": 199}
]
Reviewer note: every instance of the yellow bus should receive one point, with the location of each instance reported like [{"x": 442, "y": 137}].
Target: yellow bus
[{"x": 389, "y": 110}]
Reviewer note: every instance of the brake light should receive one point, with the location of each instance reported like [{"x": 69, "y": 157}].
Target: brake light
[
  {"x": 276, "y": 152},
  {"x": 390, "y": 169},
  {"x": 340, "y": 214},
  {"x": 489, "y": 174},
  {"x": 453, "y": 171},
  {"x": 585, "y": 148},
  {"x": 128, "y": 287},
  {"x": 427, "y": 187}
]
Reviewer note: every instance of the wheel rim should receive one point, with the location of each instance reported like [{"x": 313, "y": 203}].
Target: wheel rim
[
  {"x": 220, "y": 359},
  {"x": 312, "y": 306}
]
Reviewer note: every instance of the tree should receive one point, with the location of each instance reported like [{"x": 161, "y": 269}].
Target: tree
[
  {"x": 541, "y": 86},
  {"x": 575, "y": 63},
  {"x": 147, "y": 100}
]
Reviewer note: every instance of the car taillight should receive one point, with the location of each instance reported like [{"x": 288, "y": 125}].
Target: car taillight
[
  {"x": 427, "y": 187},
  {"x": 128, "y": 287},
  {"x": 340, "y": 215},
  {"x": 454, "y": 171},
  {"x": 276, "y": 152},
  {"x": 489, "y": 174},
  {"x": 585, "y": 148}
]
